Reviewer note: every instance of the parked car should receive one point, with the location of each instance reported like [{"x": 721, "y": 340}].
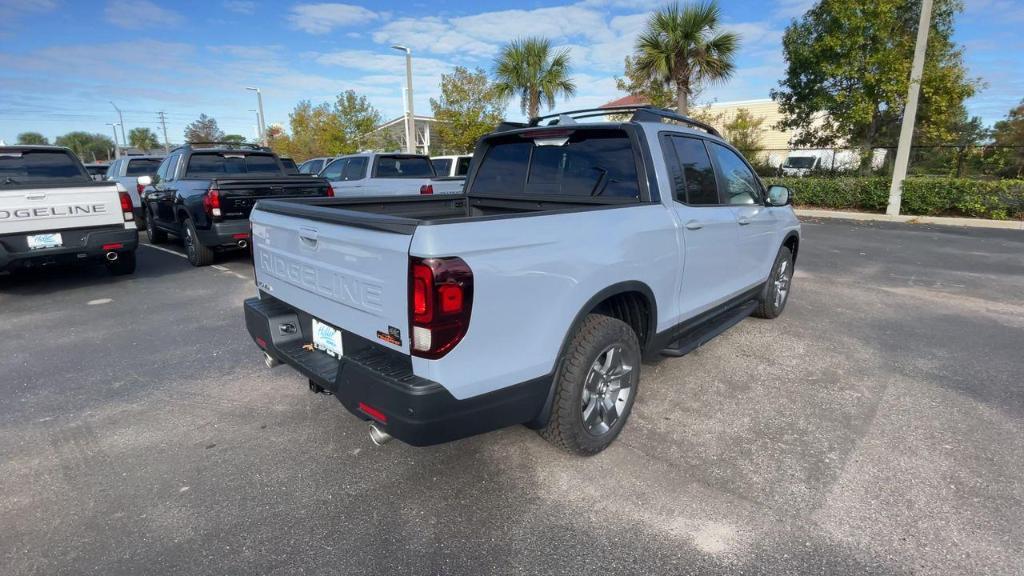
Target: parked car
[
  {"x": 126, "y": 171},
  {"x": 387, "y": 174},
  {"x": 203, "y": 194},
  {"x": 52, "y": 211},
  {"x": 97, "y": 171},
  {"x": 290, "y": 167},
  {"x": 802, "y": 163},
  {"x": 313, "y": 166},
  {"x": 451, "y": 165},
  {"x": 577, "y": 251}
]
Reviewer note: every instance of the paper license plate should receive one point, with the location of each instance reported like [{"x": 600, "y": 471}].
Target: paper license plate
[
  {"x": 37, "y": 241},
  {"x": 327, "y": 338}
]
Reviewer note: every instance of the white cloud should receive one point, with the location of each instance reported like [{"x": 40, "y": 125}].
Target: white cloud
[
  {"x": 139, "y": 14},
  {"x": 322, "y": 18},
  {"x": 240, "y": 6},
  {"x": 377, "y": 62}
]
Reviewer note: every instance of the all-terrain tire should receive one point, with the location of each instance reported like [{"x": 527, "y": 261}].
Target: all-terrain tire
[
  {"x": 772, "y": 302},
  {"x": 198, "y": 255},
  {"x": 567, "y": 427}
]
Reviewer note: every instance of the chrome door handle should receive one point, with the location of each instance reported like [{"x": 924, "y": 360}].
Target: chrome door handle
[
  {"x": 694, "y": 225},
  {"x": 743, "y": 221}
]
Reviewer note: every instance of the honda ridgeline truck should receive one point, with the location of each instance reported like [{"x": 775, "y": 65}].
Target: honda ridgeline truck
[
  {"x": 578, "y": 250},
  {"x": 203, "y": 193},
  {"x": 388, "y": 174},
  {"x": 53, "y": 212}
]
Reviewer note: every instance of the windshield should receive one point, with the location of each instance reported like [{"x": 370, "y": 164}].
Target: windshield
[
  {"x": 588, "y": 163},
  {"x": 800, "y": 162},
  {"x": 404, "y": 167},
  {"x": 216, "y": 163},
  {"x": 34, "y": 166},
  {"x": 142, "y": 166}
]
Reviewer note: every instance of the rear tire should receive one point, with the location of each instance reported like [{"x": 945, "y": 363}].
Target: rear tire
[
  {"x": 124, "y": 265},
  {"x": 596, "y": 387},
  {"x": 776, "y": 290},
  {"x": 155, "y": 235},
  {"x": 198, "y": 255}
]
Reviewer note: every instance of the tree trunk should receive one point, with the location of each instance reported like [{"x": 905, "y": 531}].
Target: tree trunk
[
  {"x": 534, "y": 103},
  {"x": 682, "y": 98}
]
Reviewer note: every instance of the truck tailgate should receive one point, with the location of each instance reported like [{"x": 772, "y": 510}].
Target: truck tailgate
[
  {"x": 351, "y": 278},
  {"x": 59, "y": 208},
  {"x": 238, "y": 196}
]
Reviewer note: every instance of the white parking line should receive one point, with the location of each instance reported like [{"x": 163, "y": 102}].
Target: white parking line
[{"x": 178, "y": 254}]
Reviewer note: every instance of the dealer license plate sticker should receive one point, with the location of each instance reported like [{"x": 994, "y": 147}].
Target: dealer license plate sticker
[
  {"x": 327, "y": 338},
  {"x": 38, "y": 241}
]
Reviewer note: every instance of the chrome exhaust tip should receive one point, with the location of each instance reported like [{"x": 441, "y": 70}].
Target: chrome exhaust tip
[
  {"x": 111, "y": 256},
  {"x": 378, "y": 436},
  {"x": 243, "y": 244},
  {"x": 270, "y": 361}
]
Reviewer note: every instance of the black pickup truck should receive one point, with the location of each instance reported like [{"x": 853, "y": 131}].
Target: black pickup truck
[{"x": 203, "y": 193}]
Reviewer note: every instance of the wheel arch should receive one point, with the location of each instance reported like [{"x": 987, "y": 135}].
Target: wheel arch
[{"x": 792, "y": 241}]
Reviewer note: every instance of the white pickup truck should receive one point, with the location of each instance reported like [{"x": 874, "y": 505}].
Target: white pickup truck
[
  {"x": 577, "y": 251},
  {"x": 52, "y": 211},
  {"x": 387, "y": 174}
]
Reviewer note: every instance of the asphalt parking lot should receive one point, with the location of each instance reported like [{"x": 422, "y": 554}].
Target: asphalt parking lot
[{"x": 877, "y": 427}]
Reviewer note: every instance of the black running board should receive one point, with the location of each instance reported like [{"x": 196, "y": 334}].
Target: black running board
[{"x": 701, "y": 334}]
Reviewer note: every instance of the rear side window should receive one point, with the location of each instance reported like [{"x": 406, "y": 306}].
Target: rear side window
[
  {"x": 462, "y": 168},
  {"x": 442, "y": 166},
  {"x": 142, "y": 167},
  {"x": 34, "y": 166},
  {"x": 585, "y": 163},
  {"x": 692, "y": 174},
  {"x": 230, "y": 163},
  {"x": 404, "y": 167}
]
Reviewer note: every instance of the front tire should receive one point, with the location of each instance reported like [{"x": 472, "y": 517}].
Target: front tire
[
  {"x": 776, "y": 290},
  {"x": 198, "y": 255},
  {"x": 124, "y": 265},
  {"x": 596, "y": 387}
]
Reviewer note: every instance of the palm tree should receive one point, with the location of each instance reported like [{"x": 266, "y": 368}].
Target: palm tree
[
  {"x": 685, "y": 48},
  {"x": 527, "y": 68}
]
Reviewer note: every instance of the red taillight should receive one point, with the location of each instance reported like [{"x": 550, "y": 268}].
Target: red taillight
[
  {"x": 427, "y": 189},
  {"x": 241, "y": 236},
  {"x": 126, "y": 206},
  {"x": 330, "y": 191},
  {"x": 440, "y": 301},
  {"x": 109, "y": 247},
  {"x": 211, "y": 202},
  {"x": 373, "y": 413},
  {"x": 139, "y": 188}
]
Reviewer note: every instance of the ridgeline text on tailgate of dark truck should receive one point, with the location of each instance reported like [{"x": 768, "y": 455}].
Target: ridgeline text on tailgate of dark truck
[
  {"x": 203, "y": 193},
  {"x": 578, "y": 249}
]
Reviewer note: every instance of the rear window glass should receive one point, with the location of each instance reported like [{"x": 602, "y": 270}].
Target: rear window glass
[
  {"x": 590, "y": 163},
  {"x": 232, "y": 163},
  {"x": 289, "y": 166},
  {"x": 20, "y": 167},
  {"x": 404, "y": 167},
  {"x": 142, "y": 167}
]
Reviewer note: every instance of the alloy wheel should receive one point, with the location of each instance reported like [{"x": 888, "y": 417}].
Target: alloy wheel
[{"x": 606, "y": 390}]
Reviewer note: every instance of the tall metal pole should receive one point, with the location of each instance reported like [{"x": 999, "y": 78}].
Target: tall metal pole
[
  {"x": 163, "y": 122},
  {"x": 410, "y": 115},
  {"x": 120, "y": 117},
  {"x": 117, "y": 148},
  {"x": 899, "y": 171},
  {"x": 262, "y": 118}
]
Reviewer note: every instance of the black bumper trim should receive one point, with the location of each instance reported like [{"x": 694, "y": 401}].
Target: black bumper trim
[
  {"x": 222, "y": 233},
  {"x": 419, "y": 412},
  {"x": 79, "y": 244}
]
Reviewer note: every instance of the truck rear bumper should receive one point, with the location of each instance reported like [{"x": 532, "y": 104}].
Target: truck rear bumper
[
  {"x": 373, "y": 381},
  {"x": 83, "y": 244},
  {"x": 225, "y": 234}
]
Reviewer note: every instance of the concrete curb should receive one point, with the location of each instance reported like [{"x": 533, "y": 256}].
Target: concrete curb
[{"x": 940, "y": 220}]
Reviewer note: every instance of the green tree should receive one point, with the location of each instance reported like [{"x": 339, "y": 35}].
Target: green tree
[
  {"x": 88, "y": 147},
  {"x": 32, "y": 138},
  {"x": 143, "y": 139},
  {"x": 744, "y": 132},
  {"x": 1010, "y": 132},
  {"x": 634, "y": 82},
  {"x": 358, "y": 119},
  {"x": 528, "y": 68},
  {"x": 684, "y": 47},
  {"x": 234, "y": 139},
  {"x": 849, "y": 67},
  {"x": 204, "y": 129},
  {"x": 315, "y": 131},
  {"x": 468, "y": 108}
]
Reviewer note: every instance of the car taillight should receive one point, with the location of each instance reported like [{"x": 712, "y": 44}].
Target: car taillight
[
  {"x": 330, "y": 191},
  {"x": 440, "y": 301},
  {"x": 211, "y": 202},
  {"x": 139, "y": 188},
  {"x": 126, "y": 206},
  {"x": 427, "y": 189}
]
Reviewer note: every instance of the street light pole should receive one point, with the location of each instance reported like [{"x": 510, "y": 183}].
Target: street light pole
[
  {"x": 121, "y": 118},
  {"x": 261, "y": 119},
  {"x": 410, "y": 115},
  {"x": 899, "y": 170},
  {"x": 117, "y": 148}
]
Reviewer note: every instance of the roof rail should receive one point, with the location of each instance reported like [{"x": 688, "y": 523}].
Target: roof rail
[
  {"x": 225, "y": 145},
  {"x": 641, "y": 113}
]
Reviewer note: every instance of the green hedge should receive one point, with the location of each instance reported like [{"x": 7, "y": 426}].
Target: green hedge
[{"x": 995, "y": 199}]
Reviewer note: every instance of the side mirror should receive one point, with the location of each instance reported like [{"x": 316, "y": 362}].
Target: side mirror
[
  {"x": 779, "y": 195},
  {"x": 144, "y": 181}
]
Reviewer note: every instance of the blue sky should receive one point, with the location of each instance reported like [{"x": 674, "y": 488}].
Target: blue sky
[{"x": 62, "y": 61}]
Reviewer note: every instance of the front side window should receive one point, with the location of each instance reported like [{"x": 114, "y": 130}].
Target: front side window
[
  {"x": 355, "y": 168},
  {"x": 738, "y": 183},
  {"x": 333, "y": 170},
  {"x": 692, "y": 173}
]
